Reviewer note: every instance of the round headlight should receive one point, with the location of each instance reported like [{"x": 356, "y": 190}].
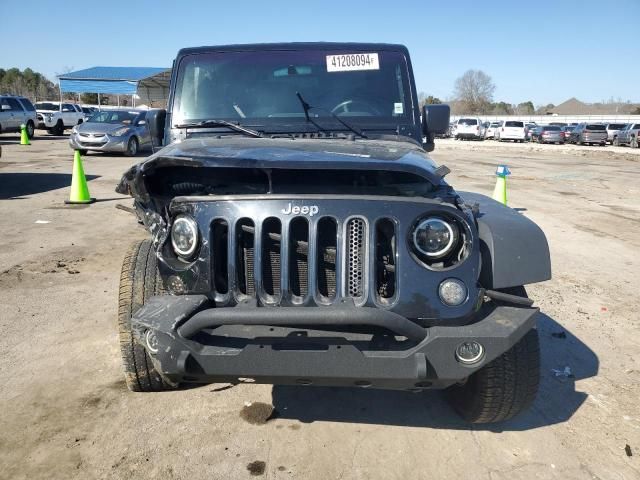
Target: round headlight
[
  {"x": 435, "y": 237},
  {"x": 184, "y": 236},
  {"x": 453, "y": 292}
]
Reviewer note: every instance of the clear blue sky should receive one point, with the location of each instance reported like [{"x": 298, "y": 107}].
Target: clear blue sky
[{"x": 588, "y": 49}]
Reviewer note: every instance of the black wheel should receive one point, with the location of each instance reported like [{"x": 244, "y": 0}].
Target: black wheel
[
  {"x": 83, "y": 152},
  {"x": 58, "y": 129},
  {"x": 503, "y": 388},
  {"x": 132, "y": 147},
  {"x": 31, "y": 129},
  {"x": 139, "y": 280}
]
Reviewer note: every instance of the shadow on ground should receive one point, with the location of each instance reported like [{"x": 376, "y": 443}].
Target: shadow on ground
[
  {"x": 16, "y": 185},
  {"x": 557, "y": 399}
]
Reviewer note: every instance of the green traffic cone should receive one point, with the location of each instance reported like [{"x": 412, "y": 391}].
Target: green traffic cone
[
  {"x": 500, "y": 191},
  {"x": 24, "y": 138},
  {"x": 79, "y": 188}
]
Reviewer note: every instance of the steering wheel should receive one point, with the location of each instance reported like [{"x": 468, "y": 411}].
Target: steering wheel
[{"x": 355, "y": 106}]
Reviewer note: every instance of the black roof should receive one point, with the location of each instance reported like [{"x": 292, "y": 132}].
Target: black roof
[{"x": 296, "y": 46}]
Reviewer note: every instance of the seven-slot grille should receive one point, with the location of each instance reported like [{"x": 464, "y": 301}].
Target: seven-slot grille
[{"x": 302, "y": 261}]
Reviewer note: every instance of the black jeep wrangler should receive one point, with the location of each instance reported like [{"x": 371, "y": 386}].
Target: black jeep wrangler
[{"x": 300, "y": 234}]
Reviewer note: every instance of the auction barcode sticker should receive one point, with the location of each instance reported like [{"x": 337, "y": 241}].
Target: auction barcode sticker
[{"x": 349, "y": 62}]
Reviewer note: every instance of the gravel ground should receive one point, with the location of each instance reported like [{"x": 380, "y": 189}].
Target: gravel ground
[{"x": 65, "y": 412}]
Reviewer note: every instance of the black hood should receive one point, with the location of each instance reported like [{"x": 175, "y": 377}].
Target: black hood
[{"x": 285, "y": 153}]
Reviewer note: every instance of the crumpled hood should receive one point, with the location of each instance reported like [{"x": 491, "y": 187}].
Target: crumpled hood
[{"x": 286, "y": 153}]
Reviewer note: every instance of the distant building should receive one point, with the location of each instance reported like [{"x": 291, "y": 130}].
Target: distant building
[{"x": 573, "y": 106}]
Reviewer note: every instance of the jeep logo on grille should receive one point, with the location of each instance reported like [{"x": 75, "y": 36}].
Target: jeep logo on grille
[{"x": 310, "y": 210}]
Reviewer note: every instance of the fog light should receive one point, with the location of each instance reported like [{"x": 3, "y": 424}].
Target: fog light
[
  {"x": 469, "y": 352},
  {"x": 453, "y": 292}
]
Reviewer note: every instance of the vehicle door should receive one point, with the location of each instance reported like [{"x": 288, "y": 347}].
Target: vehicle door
[
  {"x": 7, "y": 115},
  {"x": 142, "y": 130},
  {"x": 69, "y": 115},
  {"x": 19, "y": 113}
]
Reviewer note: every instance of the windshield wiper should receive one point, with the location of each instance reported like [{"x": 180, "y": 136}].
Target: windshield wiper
[
  {"x": 306, "y": 107},
  {"x": 221, "y": 123}
]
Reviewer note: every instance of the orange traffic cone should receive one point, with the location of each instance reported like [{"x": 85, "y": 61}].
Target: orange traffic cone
[{"x": 79, "y": 189}]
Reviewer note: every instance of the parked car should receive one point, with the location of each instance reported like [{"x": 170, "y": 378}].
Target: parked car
[
  {"x": 588, "y": 134},
  {"x": 490, "y": 130},
  {"x": 510, "y": 130},
  {"x": 470, "y": 129},
  {"x": 528, "y": 128},
  {"x": 16, "y": 111},
  {"x": 55, "y": 117},
  {"x": 123, "y": 131},
  {"x": 628, "y": 135},
  {"x": 613, "y": 129},
  {"x": 88, "y": 112},
  {"x": 548, "y": 134},
  {"x": 566, "y": 132}
]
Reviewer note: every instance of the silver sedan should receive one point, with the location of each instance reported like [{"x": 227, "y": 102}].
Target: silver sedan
[{"x": 123, "y": 131}]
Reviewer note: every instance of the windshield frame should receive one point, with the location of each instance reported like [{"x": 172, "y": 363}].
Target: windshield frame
[{"x": 408, "y": 124}]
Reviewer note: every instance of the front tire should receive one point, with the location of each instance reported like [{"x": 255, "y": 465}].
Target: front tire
[
  {"x": 139, "y": 280},
  {"x": 505, "y": 387},
  {"x": 31, "y": 129},
  {"x": 132, "y": 147},
  {"x": 58, "y": 129}
]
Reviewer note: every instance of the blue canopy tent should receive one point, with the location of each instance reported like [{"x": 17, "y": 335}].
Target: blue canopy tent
[{"x": 113, "y": 80}]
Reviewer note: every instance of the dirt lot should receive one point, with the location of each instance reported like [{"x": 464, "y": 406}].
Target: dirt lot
[{"x": 65, "y": 412}]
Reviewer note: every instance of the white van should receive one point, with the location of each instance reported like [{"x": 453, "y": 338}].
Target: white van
[
  {"x": 510, "y": 130},
  {"x": 469, "y": 128}
]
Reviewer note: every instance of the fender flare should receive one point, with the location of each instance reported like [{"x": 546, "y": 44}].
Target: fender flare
[{"x": 513, "y": 249}]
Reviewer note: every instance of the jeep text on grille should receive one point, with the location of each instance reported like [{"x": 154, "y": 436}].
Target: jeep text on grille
[{"x": 300, "y": 234}]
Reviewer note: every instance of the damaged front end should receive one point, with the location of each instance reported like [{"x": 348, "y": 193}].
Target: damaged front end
[{"x": 313, "y": 265}]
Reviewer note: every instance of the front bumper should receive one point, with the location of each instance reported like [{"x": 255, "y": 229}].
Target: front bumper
[
  {"x": 45, "y": 122},
  {"x": 189, "y": 340},
  {"x": 105, "y": 143}
]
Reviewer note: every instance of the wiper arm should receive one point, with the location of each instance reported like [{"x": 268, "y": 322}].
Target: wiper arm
[
  {"x": 306, "y": 107},
  {"x": 221, "y": 123}
]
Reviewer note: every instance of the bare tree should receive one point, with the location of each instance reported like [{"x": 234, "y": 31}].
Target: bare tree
[{"x": 475, "y": 90}]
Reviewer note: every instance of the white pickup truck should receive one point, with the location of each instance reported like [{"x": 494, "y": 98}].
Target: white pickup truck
[{"x": 55, "y": 117}]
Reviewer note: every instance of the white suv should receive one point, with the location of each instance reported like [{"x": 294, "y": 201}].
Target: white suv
[
  {"x": 469, "y": 128},
  {"x": 55, "y": 116},
  {"x": 510, "y": 130}
]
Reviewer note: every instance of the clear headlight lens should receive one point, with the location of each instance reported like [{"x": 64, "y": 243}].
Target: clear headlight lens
[
  {"x": 120, "y": 131},
  {"x": 184, "y": 236},
  {"x": 435, "y": 237}
]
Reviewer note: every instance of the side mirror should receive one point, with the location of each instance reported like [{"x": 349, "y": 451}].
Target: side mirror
[
  {"x": 155, "y": 121},
  {"x": 435, "y": 121},
  {"x": 142, "y": 122}
]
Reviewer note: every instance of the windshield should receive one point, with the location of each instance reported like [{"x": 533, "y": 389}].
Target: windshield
[
  {"x": 126, "y": 118},
  {"x": 595, "y": 127},
  {"x": 47, "y": 106},
  {"x": 258, "y": 88},
  {"x": 551, "y": 128},
  {"x": 514, "y": 124},
  {"x": 467, "y": 121},
  {"x": 615, "y": 126}
]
